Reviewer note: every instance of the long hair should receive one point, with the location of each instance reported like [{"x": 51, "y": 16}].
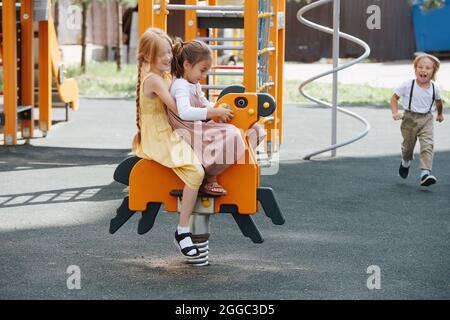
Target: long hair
[
  {"x": 435, "y": 60},
  {"x": 150, "y": 43},
  {"x": 193, "y": 52}
]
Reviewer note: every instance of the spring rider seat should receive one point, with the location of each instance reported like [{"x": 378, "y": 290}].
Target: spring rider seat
[{"x": 151, "y": 184}]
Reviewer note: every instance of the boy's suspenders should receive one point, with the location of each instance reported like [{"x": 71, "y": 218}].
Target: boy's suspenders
[
  {"x": 434, "y": 97},
  {"x": 411, "y": 95}
]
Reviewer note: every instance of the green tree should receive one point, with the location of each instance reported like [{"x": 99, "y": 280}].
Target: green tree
[
  {"x": 84, "y": 5},
  {"x": 429, "y": 4},
  {"x": 119, "y": 6}
]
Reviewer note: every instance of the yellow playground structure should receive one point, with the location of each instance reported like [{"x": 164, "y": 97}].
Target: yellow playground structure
[
  {"x": 262, "y": 23},
  {"x": 18, "y": 22},
  {"x": 259, "y": 98}
]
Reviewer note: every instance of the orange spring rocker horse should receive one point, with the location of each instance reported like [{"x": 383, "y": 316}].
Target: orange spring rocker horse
[{"x": 151, "y": 184}]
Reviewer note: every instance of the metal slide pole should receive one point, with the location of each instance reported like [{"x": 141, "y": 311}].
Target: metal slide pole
[
  {"x": 336, "y": 27},
  {"x": 183, "y": 7},
  {"x": 366, "y": 53}
]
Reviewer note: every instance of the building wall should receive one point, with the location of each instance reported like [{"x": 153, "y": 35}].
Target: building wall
[
  {"x": 101, "y": 24},
  {"x": 394, "y": 41},
  {"x": 101, "y": 34}
]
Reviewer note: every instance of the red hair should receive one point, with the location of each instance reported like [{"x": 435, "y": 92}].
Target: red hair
[{"x": 150, "y": 44}]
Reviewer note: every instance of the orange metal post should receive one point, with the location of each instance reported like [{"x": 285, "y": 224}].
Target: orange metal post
[
  {"x": 190, "y": 22},
  {"x": 9, "y": 71},
  {"x": 250, "y": 45},
  {"x": 213, "y": 34},
  {"x": 145, "y": 15},
  {"x": 27, "y": 65},
  {"x": 273, "y": 56},
  {"x": 160, "y": 15},
  {"x": 281, "y": 56},
  {"x": 273, "y": 126},
  {"x": 204, "y": 33},
  {"x": 45, "y": 80}
]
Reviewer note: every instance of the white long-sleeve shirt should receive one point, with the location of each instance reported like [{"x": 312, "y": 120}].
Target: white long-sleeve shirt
[{"x": 182, "y": 90}]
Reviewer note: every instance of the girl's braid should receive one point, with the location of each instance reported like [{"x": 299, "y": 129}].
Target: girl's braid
[{"x": 138, "y": 91}]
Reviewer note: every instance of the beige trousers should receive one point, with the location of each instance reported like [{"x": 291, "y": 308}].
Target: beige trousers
[{"x": 418, "y": 126}]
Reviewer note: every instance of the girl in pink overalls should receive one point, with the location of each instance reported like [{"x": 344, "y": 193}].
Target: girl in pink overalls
[{"x": 218, "y": 145}]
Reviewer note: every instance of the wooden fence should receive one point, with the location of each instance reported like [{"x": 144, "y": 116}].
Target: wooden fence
[{"x": 394, "y": 41}]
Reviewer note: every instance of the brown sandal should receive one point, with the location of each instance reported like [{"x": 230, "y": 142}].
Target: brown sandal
[{"x": 212, "y": 187}]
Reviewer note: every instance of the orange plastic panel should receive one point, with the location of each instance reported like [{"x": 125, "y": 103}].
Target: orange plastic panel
[
  {"x": 246, "y": 117},
  {"x": 152, "y": 182},
  {"x": 68, "y": 90},
  {"x": 241, "y": 182}
]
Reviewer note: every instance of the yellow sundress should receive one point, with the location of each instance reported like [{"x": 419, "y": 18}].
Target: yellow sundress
[{"x": 159, "y": 143}]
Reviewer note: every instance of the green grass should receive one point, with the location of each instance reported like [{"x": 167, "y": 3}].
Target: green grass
[
  {"x": 349, "y": 94},
  {"x": 102, "y": 80}
]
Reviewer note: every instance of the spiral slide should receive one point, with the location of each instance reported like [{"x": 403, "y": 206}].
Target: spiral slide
[{"x": 336, "y": 36}]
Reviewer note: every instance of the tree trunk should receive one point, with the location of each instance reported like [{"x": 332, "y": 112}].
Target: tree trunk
[
  {"x": 119, "y": 36},
  {"x": 84, "y": 8},
  {"x": 56, "y": 20}
]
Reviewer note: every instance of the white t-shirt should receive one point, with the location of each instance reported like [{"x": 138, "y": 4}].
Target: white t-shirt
[
  {"x": 181, "y": 90},
  {"x": 422, "y": 98}
]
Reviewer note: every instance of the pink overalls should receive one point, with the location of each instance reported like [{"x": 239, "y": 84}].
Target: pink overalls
[{"x": 221, "y": 144}]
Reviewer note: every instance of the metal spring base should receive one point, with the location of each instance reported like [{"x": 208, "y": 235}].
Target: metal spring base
[
  {"x": 203, "y": 259},
  {"x": 200, "y": 228}
]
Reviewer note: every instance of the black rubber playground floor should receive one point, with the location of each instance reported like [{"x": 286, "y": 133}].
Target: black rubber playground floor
[{"x": 343, "y": 216}]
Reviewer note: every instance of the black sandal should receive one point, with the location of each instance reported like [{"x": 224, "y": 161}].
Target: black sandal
[{"x": 184, "y": 251}]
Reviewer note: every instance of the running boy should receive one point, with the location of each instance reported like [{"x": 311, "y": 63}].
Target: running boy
[{"x": 419, "y": 96}]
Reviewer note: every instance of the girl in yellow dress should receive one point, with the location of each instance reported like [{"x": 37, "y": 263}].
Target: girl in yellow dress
[{"x": 155, "y": 139}]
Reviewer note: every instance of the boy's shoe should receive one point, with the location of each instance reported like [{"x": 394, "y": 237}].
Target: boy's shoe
[
  {"x": 427, "y": 180},
  {"x": 403, "y": 171}
]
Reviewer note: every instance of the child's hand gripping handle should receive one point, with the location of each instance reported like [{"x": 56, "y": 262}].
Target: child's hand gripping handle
[{"x": 247, "y": 107}]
